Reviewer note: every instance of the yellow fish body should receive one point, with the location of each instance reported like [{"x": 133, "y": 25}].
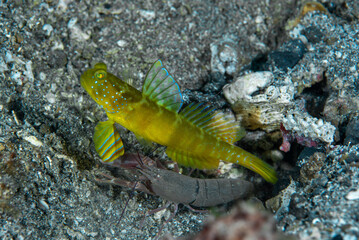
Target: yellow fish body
[{"x": 197, "y": 137}]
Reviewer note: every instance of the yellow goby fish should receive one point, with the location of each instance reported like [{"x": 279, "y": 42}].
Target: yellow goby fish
[{"x": 197, "y": 136}]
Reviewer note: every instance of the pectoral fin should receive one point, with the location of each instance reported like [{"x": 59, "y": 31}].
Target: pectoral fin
[{"x": 108, "y": 143}]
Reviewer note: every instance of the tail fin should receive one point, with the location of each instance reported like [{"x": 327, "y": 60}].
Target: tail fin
[{"x": 257, "y": 165}]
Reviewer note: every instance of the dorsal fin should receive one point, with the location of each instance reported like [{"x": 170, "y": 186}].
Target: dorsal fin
[
  {"x": 161, "y": 88},
  {"x": 216, "y": 123}
]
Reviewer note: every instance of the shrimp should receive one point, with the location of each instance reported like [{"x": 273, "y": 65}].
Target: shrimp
[{"x": 176, "y": 187}]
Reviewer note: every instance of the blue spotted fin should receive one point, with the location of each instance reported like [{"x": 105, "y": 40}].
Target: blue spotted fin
[
  {"x": 161, "y": 88},
  {"x": 216, "y": 123},
  {"x": 189, "y": 160},
  {"x": 108, "y": 143}
]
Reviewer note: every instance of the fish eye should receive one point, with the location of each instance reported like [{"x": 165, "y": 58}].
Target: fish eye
[{"x": 100, "y": 74}]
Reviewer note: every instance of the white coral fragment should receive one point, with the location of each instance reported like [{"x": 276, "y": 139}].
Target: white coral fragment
[
  {"x": 259, "y": 99},
  {"x": 76, "y": 33},
  {"x": 353, "y": 195},
  {"x": 302, "y": 124},
  {"x": 243, "y": 87},
  {"x": 147, "y": 14},
  {"x": 224, "y": 56},
  {"x": 33, "y": 140}
]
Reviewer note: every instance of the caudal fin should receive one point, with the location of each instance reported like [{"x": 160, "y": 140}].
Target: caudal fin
[{"x": 257, "y": 165}]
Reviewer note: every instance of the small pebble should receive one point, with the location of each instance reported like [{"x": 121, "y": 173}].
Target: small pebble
[
  {"x": 121, "y": 43},
  {"x": 147, "y": 14},
  {"x": 33, "y": 140},
  {"x": 353, "y": 195},
  {"x": 48, "y": 29},
  {"x": 44, "y": 205}
]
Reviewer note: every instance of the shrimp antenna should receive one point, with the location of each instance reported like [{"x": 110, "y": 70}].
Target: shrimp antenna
[
  {"x": 153, "y": 152},
  {"x": 158, "y": 163},
  {"x": 139, "y": 160},
  {"x": 131, "y": 194}
]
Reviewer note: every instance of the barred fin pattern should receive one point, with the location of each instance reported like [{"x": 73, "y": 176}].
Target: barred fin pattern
[
  {"x": 108, "y": 143},
  {"x": 216, "y": 123}
]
